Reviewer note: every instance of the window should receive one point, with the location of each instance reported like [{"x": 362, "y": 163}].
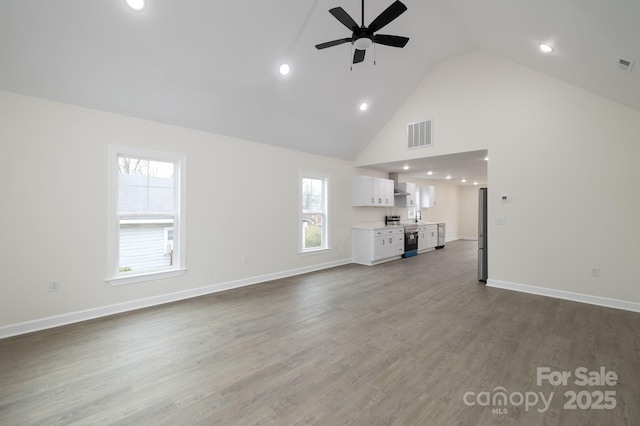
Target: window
[
  {"x": 313, "y": 218},
  {"x": 147, "y": 228},
  {"x": 412, "y": 211}
]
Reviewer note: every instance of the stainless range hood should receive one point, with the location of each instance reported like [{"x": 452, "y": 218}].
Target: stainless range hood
[{"x": 397, "y": 192}]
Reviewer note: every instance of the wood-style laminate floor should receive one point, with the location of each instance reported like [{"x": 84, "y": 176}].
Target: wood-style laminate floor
[{"x": 416, "y": 341}]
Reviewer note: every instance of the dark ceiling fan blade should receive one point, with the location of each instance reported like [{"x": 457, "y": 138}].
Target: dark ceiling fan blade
[
  {"x": 332, "y": 43},
  {"x": 344, "y": 18},
  {"x": 390, "y": 40},
  {"x": 389, "y": 14},
  {"x": 358, "y": 56}
]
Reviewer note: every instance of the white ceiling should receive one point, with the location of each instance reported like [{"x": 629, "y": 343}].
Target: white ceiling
[
  {"x": 212, "y": 65},
  {"x": 453, "y": 168}
]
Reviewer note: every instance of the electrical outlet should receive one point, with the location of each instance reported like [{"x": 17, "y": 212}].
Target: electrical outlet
[
  {"x": 54, "y": 286},
  {"x": 595, "y": 271},
  {"x": 245, "y": 259}
]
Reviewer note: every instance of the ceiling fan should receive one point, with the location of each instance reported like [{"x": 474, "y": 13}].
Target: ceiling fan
[{"x": 363, "y": 37}]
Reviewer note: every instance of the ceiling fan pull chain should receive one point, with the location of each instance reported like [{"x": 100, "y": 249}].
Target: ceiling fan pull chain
[{"x": 374, "y": 54}]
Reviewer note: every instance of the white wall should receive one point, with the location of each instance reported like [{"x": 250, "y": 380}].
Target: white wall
[
  {"x": 468, "y": 212},
  {"x": 566, "y": 156},
  {"x": 243, "y": 199}
]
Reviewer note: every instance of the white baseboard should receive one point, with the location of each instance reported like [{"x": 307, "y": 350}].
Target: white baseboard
[
  {"x": 566, "y": 295},
  {"x": 103, "y": 311}
]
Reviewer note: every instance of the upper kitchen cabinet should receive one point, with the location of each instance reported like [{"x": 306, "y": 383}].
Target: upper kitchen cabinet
[
  {"x": 427, "y": 196},
  {"x": 387, "y": 186},
  {"x": 406, "y": 200},
  {"x": 372, "y": 191},
  {"x": 362, "y": 191}
]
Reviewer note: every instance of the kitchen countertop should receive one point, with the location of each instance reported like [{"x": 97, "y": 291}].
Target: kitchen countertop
[{"x": 381, "y": 225}]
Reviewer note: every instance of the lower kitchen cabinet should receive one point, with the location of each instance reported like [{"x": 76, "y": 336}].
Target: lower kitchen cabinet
[
  {"x": 372, "y": 246},
  {"x": 427, "y": 237}
]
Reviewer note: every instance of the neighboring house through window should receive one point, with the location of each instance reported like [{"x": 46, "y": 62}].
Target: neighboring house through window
[
  {"x": 313, "y": 219},
  {"x": 147, "y": 227}
]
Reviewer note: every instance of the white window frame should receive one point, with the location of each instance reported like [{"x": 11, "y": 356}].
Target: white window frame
[
  {"x": 326, "y": 226},
  {"x": 114, "y": 277}
]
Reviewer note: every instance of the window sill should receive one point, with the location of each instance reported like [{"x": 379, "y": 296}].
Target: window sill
[
  {"x": 148, "y": 276},
  {"x": 314, "y": 251}
]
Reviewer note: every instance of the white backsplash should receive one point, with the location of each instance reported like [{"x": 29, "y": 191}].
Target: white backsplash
[{"x": 377, "y": 214}]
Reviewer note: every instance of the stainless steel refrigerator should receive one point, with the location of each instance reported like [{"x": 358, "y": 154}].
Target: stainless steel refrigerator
[{"x": 482, "y": 235}]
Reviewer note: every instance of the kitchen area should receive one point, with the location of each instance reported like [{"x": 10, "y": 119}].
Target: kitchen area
[
  {"x": 406, "y": 208},
  {"x": 398, "y": 235}
]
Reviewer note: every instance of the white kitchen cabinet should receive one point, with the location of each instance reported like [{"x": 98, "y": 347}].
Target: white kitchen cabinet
[
  {"x": 362, "y": 191},
  {"x": 372, "y": 246},
  {"x": 431, "y": 236},
  {"x": 427, "y": 196},
  {"x": 427, "y": 237},
  {"x": 408, "y": 200},
  {"x": 387, "y": 192},
  {"x": 393, "y": 242},
  {"x": 372, "y": 191},
  {"x": 422, "y": 238},
  {"x": 378, "y": 247}
]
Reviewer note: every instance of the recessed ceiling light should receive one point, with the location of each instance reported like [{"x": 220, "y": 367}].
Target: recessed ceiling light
[
  {"x": 463, "y": 181},
  {"x": 430, "y": 173},
  {"x": 136, "y": 5},
  {"x": 284, "y": 69},
  {"x": 475, "y": 183},
  {"x": 545, "y": 48},
  {"x": 448, "y": 177},
  {"x": 363, "y": 106},
  {"x": 486, "y": 158},
  {"x": 405, "y": 167}
]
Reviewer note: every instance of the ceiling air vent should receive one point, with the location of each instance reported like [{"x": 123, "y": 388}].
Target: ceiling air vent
[
  {"x": 625, "y": 65},
  {"x": 420, "y": 135}
]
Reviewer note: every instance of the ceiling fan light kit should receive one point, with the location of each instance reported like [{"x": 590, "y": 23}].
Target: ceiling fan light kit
[
  {"x": 137, "y": 5},
  {"x": 363, "y": 43},
  {"x": 363, "y": 37}
]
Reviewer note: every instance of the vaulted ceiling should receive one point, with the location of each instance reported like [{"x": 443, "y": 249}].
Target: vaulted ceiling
[{"x": 212, "y": 65}]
